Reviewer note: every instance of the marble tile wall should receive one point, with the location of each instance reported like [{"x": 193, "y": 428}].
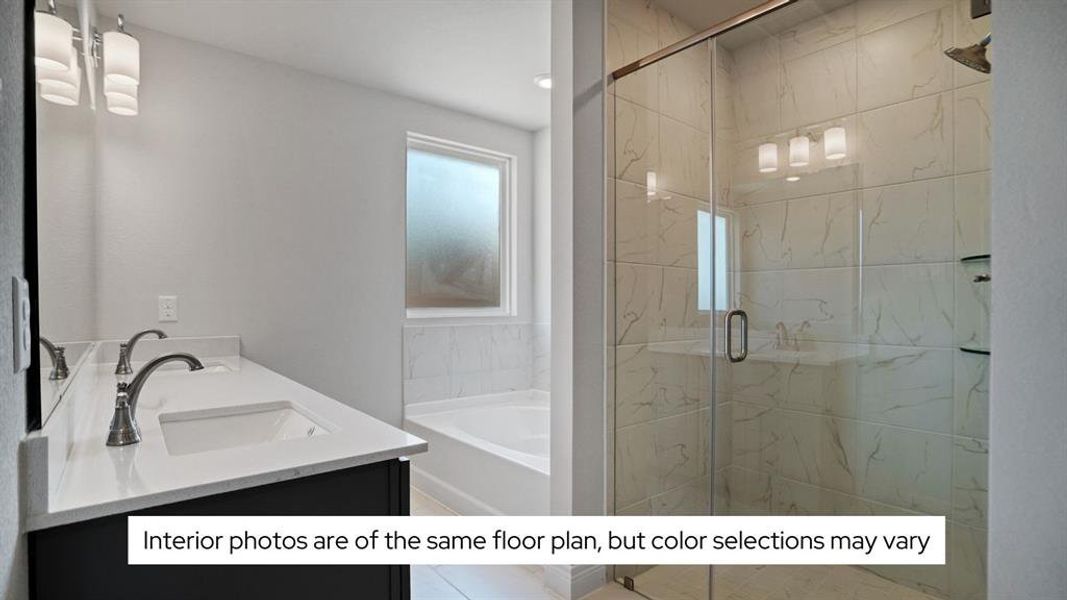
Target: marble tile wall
[
  {"x": 454, "y": 361},
  {"x": 871, "y": 408},
  {"x": 661, "y": 123}
]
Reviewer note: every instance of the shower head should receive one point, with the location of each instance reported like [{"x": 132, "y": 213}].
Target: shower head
[{"x": 972, "y": 56}]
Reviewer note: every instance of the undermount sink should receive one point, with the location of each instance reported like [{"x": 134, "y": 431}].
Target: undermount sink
[{"x": 195, "y": 431}]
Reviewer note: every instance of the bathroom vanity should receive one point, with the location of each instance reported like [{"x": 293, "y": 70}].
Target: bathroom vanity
[{"x": 233, "y": 438}]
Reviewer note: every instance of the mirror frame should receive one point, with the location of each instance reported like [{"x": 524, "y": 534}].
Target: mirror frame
[{"x": 29, "y": 218}]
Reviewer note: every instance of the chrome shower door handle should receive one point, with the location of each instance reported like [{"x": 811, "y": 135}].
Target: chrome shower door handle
[{"x": 729, "y": 350}]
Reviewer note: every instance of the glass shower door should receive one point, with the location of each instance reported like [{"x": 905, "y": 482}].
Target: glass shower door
[
  {"x": 659, "y": 251},
  {"x": 853, "y": 157}
]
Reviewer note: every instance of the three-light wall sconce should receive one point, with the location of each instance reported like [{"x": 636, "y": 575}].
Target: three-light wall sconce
[
  {"x": 59, "y": 74},
  {"x": 835, "y": 147}
]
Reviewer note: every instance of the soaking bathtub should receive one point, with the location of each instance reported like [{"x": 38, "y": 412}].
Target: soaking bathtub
[{"x": 488, "y": 454}]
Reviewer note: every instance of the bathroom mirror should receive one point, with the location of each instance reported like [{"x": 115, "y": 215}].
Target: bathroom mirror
[
  {"x": 253, "y": 184},
  {"x": 66, "y": 208}
]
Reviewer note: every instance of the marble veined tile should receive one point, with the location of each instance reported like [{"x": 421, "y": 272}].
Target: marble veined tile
[
  {"x": 626, "y": 43},
  {"x": 685, "y": 87},
  {"x": 972, "y": 305},
  {"x": 684, "y": 160},
  {"x": 907, "y": 386},
  {"x": 639, "y": 13},
  {"x": 971, "y": 383},
  {"x": 973, "y": 204},
  {"x": 815, "y": 449},
  {"x": 908, "y": 305},
  {"x": 905, "y": 60},
  {"x": 636, "y": 141},
  {"x": 875, "y": 14},
  {"x": 907, "y": 141},
  {"x": 757, "y": 88},
  {"x": 656, "y": 304},
  {"x": 967, "y": 565},
  {"x": 904, "y": 468},
  {"x": 970, "y": 481},
  {"x": 817, "y": 231},
  {"x": 908, "y": 223},
  {"x": 821, "y": 31},
  {"x": 819, "y": 86},
  {"x": 426, "y": 352},
  {"x": 635, "y": 464},
  {"x": 974, "y": 127},
  {"x": 821, "y": 304}
]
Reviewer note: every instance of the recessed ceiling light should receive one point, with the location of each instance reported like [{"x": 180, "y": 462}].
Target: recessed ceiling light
[{"x": 544, "y": 80}]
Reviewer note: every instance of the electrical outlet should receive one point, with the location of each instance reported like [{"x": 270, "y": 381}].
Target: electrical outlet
[
  {"x": 23, "y": 338},
  {"x": 168, "y": 309}
]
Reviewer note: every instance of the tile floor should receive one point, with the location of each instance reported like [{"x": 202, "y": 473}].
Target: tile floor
[
  {"x": 485, "y": 582},
  {"x": 744, "y": 582},
  {"x": 665, "y": 582}
]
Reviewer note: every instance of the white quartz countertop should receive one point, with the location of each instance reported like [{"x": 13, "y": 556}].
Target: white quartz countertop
[{"x": 98, "y": 480}]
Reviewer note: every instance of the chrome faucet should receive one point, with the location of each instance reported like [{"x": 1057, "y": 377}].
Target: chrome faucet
[
  {"x": 59, "y": 360},
  {"x": 784, "y": 343},
  {"x": 126, "y": 350},
  {"x": 124, "y": 429}
]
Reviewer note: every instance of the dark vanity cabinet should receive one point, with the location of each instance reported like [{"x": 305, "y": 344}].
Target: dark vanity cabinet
[{"x": 87, "y": 560}]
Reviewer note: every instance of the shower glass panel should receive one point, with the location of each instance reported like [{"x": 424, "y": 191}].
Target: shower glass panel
[
  {"x": 660, "y": 264},
  {"x": 848, "y": 220}
]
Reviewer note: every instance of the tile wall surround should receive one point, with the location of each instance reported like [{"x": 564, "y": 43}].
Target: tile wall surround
[
  {"x": 454, "y": 361},
  {"x": 859, "y": 260}
]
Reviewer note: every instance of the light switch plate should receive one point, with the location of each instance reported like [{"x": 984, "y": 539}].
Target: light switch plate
[
  {"x": 23, "y": 337},
  {"x": 168, "y": 309}
]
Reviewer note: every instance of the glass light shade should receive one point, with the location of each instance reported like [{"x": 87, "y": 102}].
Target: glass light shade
[
  {"x": 112, "y": 88},
  {"x": 792, "y": 178},
  {"x": 544, "y": 81},
  {"x": 799, "y": 151},
  {"x": 768, "y": 158},
  {"x": 63, "y": 93},
  {"x": 834, "y": 144},
  {"x": 52, "y": 42},
  {"x": 122, "y": 105},
  {"x": 69, "y": 78},
  {"x": 122, "y": 58},
  {"x": 650, "y": 183}
]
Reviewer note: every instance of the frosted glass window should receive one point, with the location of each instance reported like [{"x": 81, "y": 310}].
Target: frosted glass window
[
  {"x": 720, "y": 272},
  {"x": 456, "y": 205}
]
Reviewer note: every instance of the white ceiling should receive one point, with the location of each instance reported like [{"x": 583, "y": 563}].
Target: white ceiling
[{"x": 476, "y": 56}]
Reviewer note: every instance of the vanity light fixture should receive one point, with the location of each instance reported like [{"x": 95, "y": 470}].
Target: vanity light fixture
[
  {"x": 768, "y": 157},
  {"x": 650, "y": 183},
  {"x": 122, "y": 105},
  {"x": 119, "y": 89},
  {"x": 543, "y": 81},
  {"x": 122, "y": 56},
  {"x": 799, "y": 151},
  {"x": 834, "y": 143},
  {"x": 69, "y": 78},
  {"x": 53, "y": 40}
]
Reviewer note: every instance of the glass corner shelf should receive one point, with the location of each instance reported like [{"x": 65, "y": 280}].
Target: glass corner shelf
[
  {"x": 976, "y": 258},
  {"x": 974, "y": 350}
]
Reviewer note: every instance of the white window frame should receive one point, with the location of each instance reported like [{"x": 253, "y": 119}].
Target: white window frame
[{"x": 508, "y": 238}]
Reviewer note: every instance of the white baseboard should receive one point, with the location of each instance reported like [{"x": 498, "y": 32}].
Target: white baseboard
[
  {"x": 575, "y": 581},
  {"x": 448, "y": 495}
]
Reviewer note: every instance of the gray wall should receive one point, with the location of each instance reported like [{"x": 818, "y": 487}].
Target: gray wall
[
  {"x": 1028, "y": 381},
  {"x": 271, "y": 202},
  {"x": 12, "y": 386}
]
